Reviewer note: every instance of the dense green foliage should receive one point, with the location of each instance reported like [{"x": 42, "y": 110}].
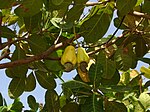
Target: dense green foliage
[{"x": 34, "y": 34}]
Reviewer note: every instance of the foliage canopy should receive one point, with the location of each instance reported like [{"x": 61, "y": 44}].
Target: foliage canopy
[{"x": 34, "y": 34}]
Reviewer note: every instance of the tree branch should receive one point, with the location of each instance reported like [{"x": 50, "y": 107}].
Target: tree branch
[{"x": 37, "y": 57}]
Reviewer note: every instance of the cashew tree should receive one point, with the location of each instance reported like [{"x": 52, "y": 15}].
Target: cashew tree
[{"x": 42, "y": 39}]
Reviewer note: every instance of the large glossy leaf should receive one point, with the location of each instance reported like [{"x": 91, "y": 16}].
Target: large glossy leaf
[
  {"x": 73, "y": 84},
  {"x": 33, "y": 23},
  {"x": 109, "y": 66},
  {"x": 29, "y": 8},
  {"x": 52, "y": 101},
  {"x": 92, "y": 104},
  {"x": 6, "y": 3},
  {"x": 95, "y": 27},
  {"x": 18, "y": 71},
  {"x": 112, "y": 106},
  {"x": 45, "y": 80},
  {"x": 30, "y": 83},
  {"x": 125, "y": 6},
  {"x": 74, "y": 107},
  {"x": 125, "y": 58},
  {"x": 32, "y": 103},
  {"x": 7, "y": 32},
  {"x": 37, "y": 44},
  {"x": 16, "y": 87}
]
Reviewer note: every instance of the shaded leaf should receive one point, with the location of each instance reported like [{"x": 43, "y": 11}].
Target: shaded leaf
[
  {"x": 73, "y": 84},
  {"x": 16, "y": 87},
  {"x": 57, "y": 2},
  {"x": 1, "y": 100},
  {"x": 146, "y": 60},
  {"x": 95, "y": 27},
  {"x": 17, "y": 106},
  {"x": 29, "y": 8},
  {"x": 112, "y": 106},
  {"x": 6, "y": 3},
  {"x": 37, "y": 44},
  {"x": 32, "y": 103},
  {"x": 72, "y": 106},
  {"x": 145, "y": 7},
  {"x": 92, "y": 104},
  {"x": 125, "y": 6},
  {"x": 45, "y": 80},
  {"x": 52, "y": 101},
  {"x": 30, "y": 83},
  {"x": 5, "y": 32},
  {"x": 21, "y": 70},
  {"x": 125, "y": 58}
]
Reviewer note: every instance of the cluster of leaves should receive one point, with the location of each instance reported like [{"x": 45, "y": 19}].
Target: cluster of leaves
[{"x": 33, "y": 35}]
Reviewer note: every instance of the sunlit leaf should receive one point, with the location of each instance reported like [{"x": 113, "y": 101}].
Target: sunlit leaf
[
  {"x": 45, "y": 80},
  {"x": 29, "y": 8},
  {"x": 145, "y": 100},
  {"x": 32, "y": 103},
  {"x": 30, "y": 83},
  {"x": 16, "y": 87}
]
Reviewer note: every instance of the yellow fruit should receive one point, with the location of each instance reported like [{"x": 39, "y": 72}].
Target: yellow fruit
[
  {"x": 68, "y": 59},
  {"x": 146, "y": 72},
  {"x": 83, "y": 75},
  {"x": 82, "y": 56},
  {"x": 82, "y": 59}
]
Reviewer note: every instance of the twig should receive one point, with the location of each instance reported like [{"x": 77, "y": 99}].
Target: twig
[{"x": 37, "y": 57}]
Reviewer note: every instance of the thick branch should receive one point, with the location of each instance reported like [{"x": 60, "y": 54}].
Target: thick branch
[{"x": 37, "y": 57}]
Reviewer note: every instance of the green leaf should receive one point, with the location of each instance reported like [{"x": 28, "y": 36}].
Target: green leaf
[
  {"x": 33, "y": 23},
  {"x": 21, "y": 70},
  {"x": 17, "y": 106},
  {"x": 39, "y": 65},
  {"x": 145, "y": 7},
  {"x": 57, "y": 2},
  {"x": 74, "y": 13},
  {"x": 141, "y": 47},
  {"x": 30, "y": 83},
  {"x": 125, "y": 58},
  {"x": 1, "y": 100},
  {"x": 113, "y": 81},
  {"x": 29, "y": 8},
  {"x": 109, "y": 66},
  {"x": 73, "y": 84},
  {"x": 112, "y": 106},
  {"x": 52, "y": 101},
  {"x": 32, "y": 103},
  {"x": 125, "y": 6},
  {"x": 6, "y": 32},
  {"x": 145, "y": 100},
  {"x": 45, "y": 80},
  {"x": 16, "y": 87},
  {"x": 95, "y": 27},
  {"x": 92, "y": 104},
  {"x": 37, "y": 44},
  {"x": 74, "y": 107},
  {"x": 6, "y": 4},
  {"x": 3, "y": 109},
  {"x": 146, "y": 60}
]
